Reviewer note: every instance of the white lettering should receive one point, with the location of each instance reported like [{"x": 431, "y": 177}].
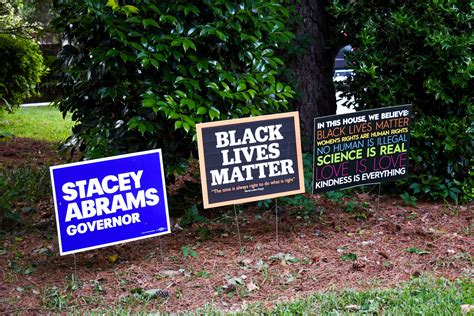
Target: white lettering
[
  {"x": 72, "y": 211},
  {"x": 102, "y": 224},
  {"x": 258, "y": 134},
  {"x": 94, "y": 187},
  {"x": 68, "y": 189},
  {"x": 105, "y": 184},
  {"x": 249, "y": 172},
  {"x": 152, "y": 196},
  {"x": 222, "y": 139},
  {"x": 136, "y": 178},
  {"x": 220, "y": 176}
]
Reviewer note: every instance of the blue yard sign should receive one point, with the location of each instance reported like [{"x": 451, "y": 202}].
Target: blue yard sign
[{"x": 109, "y": 201}]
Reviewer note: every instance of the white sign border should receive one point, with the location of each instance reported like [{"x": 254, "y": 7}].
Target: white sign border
[{"x": 141, "y": 153}]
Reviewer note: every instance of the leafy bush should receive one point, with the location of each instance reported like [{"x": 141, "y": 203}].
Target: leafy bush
[
  {"x": 22, "y": 68},
  {"x": 418, "y": 52},
  {"x": 442, "y": 158},
  {"x": 47, "y": 90},
  {"x": 140, "y": 77}
]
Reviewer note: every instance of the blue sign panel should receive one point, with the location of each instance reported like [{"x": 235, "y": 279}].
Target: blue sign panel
[{"x": 109, "y": 201}]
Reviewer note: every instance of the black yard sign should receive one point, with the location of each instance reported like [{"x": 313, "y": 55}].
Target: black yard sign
[
  {"x": 250, "y": 159},
  {"x": 361, "y": 148}
]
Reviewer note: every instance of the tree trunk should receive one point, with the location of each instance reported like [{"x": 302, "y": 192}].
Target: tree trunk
[{"x": 314, "y": 67}]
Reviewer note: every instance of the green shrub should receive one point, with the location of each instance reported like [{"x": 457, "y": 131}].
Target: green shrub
[
  {"x": 140, "y": 77},
  {"x": 442, "y": 158},
  {"x": 418, "y": 52},
  {"x": 21, "y": 70}
]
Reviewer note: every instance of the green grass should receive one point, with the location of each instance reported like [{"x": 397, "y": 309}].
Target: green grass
[
  {"x": 42, "y": 123},
  {"x": 420, "y": 296}
]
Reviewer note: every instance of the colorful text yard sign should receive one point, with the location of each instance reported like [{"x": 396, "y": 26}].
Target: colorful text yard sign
[
  {"x": 361, "y": 148},
  {"x": 250, "y": 159},
  {"x": 109, "y": 201}
]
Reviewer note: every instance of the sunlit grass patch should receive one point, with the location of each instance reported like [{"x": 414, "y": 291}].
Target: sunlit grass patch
[
  {"x": 42, "y": 123},
  {"x": 420, "y": 296}
]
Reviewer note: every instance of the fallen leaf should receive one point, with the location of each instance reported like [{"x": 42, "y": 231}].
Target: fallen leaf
[
  {"x": 261, "y": 265},
  {"x": 234, "y": 281},
  {"x": 290, "y": 278},
  {"x": 113, "y": 258},
  {"x": 229, "y": 288},
  {"x": 246, "y": 262},
  {"x": 466, "y": 308},
  {"x": 154, "y": 293},
  {"x": 353, "y": 307},
  {"x": 170, "y": 273},
  {"x": 252, "y": 287},
  {"x": 284, "y": 258}
]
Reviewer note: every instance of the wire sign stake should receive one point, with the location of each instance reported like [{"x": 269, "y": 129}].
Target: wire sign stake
[
  {"x": 238, "y": 229},
  {"x": 377, "y": 210},
  {"x": 276, "y": 223},
  {"x": 161, "y": 249},
  {"x": 75, "y": 267}
]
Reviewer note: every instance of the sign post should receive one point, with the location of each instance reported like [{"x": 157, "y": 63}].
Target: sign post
[
  {"x": 108, "y": 201},
  {"x": 250, "y": 159},
  {"x": 365, "y": 147}
]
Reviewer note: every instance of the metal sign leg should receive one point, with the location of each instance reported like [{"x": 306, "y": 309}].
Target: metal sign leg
[
  {"x": 377, "y": 210},
  {"x": 276, "y": 223},
  {"x": 238, "y": 229}
]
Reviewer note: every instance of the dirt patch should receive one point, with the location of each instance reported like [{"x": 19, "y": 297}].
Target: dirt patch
[
  {"x": 334, "y": 246},
  {"x": 26, "y": 151},
  {"x": 330, "y": 250}
]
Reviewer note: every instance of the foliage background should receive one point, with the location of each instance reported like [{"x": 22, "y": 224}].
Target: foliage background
[
  {"x": 140, "y": 77},
  {"x": 419, "y": 52},
  {"x": 22, "y": 26},
  {"x": 21, "y": 70}
]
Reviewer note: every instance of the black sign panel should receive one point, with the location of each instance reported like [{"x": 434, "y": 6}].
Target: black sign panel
[
  {"x": 250, "y": 159},
  {"x": 361, "y": 148}
]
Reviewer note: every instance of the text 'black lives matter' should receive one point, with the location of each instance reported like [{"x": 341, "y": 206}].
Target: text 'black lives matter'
[{"x": 250, "y": 159}]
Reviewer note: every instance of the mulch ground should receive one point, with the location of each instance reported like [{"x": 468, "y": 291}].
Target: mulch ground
[
  {"x": 25, "y": 151},
  {"x": 330, "y": 249}
]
